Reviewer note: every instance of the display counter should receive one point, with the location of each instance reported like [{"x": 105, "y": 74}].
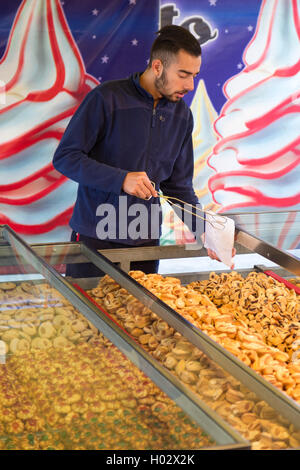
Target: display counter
[
  {"x": 70, "y": 378},
  {"x": 189, "y": 334}
]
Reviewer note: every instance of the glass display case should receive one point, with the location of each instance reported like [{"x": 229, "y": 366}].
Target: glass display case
[
  {"x": 273, "y": 235},
  {"x": 70, "y": 378},
  {"x": 223, "y": 346},
  {"x": 280, "y": 228}
]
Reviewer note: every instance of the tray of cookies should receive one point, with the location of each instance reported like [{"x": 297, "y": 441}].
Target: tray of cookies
[{"x": 209, "y": 305}]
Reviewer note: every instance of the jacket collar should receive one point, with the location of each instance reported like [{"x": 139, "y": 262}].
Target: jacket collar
[
  {"x": 135, "y": 78},
  {"x": 136, "y": 81}
]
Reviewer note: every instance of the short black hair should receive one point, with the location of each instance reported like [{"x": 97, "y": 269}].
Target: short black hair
[{"x": 170, "y": 39}]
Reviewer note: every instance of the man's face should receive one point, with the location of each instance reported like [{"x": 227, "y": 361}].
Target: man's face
[{"x": 178, "y": 78}]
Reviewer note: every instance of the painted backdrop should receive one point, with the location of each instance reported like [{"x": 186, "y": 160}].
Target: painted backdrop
[
  {"x": 245, "y": 103},
  {"x": 246, "y": 108},
  {"x": 53, "y": 53}
]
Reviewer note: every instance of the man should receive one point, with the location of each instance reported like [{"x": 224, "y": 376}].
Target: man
[{"x": 125, "y": 135}]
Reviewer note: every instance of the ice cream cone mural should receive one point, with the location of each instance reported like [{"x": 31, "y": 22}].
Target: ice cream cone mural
[
  {"x": 45, "y": 81},
  {"x": 204, "y": 138},
  {"x": 256, "y": 159}
]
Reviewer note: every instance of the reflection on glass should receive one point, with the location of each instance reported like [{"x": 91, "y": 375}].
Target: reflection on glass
[
  {"x": 278, "y": 228},
  {"x": 241, "y": 408},
  {"x": 64, "y": 386}
]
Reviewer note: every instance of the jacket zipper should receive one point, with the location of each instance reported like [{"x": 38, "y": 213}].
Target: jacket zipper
[
  {"x": 149, "y": 138},
  {"x": 153, "y": 117}
]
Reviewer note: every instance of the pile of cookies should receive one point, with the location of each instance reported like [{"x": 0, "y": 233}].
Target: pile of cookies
[
  {"x": 253, "y": 418},
  {"x": 232, "y": 332},
  {"x": 265, "y": 305},
  {"x": 37, "y": 316},
  {"x": 88, "y": 396}
]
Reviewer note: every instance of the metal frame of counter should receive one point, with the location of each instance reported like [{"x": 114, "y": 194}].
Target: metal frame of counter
[
  {"x": 268, "y": 392},
  {"x": 216, "y": 427},
  {"x": 60, "y": 253}
]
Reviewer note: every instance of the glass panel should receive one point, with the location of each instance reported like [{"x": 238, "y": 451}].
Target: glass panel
[
  {"x": 281, "y": 229},
  {"x": 87, "y": 396},
  {"x": 117, "y": 307},
  {"x": 222, "y": 392},
  {"x": 64, "y": 385},
  {"x": 240, "y": 407}
]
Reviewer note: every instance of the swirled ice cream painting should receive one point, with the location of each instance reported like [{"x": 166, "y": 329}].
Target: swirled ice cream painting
[
  {"x": 254, "y": 162},
  {"x": 257, "y": 155},
  {"x": 45, "y": 81}
]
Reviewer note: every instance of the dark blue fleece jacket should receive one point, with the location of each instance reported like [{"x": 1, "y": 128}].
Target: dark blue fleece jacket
[{"x": 114, "y": 131}]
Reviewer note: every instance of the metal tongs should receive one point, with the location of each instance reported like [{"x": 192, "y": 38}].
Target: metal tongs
[{"x": 217, "y": 221}]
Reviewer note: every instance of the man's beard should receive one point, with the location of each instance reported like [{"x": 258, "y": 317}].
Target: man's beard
[{"x": 160, "y": 85}]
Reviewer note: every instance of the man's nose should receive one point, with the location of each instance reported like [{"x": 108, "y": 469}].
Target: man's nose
[{"x": 190, "y": 84}]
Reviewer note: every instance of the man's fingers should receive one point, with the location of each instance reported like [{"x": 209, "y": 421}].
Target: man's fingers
[
  {"x": 212, "y": 254},
  {"x": 138, "y": 184},
  {"x": 140, "y": 194},
  {"x": 149, "y": 187}
]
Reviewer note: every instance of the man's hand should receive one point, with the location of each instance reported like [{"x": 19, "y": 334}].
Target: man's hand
[
  {"x": 137, "y": 183},
  {"x": 213, "y": 255}
]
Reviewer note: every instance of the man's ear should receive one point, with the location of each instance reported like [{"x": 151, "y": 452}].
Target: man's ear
[{"x": 157, "y": 67}]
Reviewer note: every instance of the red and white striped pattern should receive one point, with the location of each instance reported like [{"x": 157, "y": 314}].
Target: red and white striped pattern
[
  {"x": 45, "y": 81},
  {"x": 257, "y": 157}
]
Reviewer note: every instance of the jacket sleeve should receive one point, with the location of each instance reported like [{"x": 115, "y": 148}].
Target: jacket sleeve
[
  {"x": 180, "y": 186},
  {"x": 72, "y": 158}
]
